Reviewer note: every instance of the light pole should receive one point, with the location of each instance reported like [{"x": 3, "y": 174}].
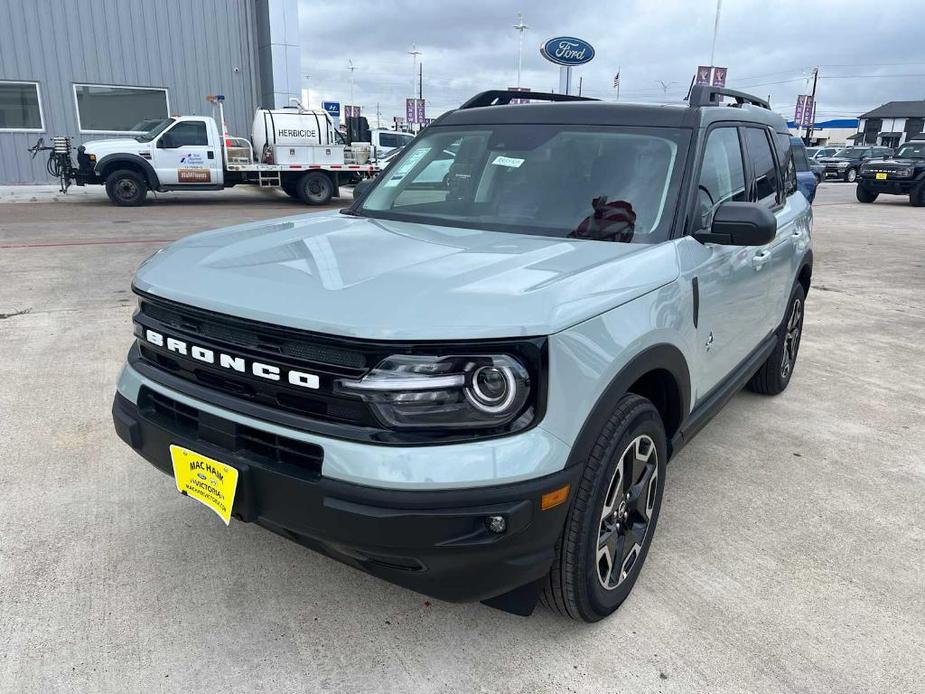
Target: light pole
[
  {"x": 521, "y": 27},
  {"x": 308, "y": 93},
  {"x": 414, "y": 53},
  {"x": 719, "y": 4},
  {"x": 351, "y": 67},
  {"x": 665, "y": 86}
]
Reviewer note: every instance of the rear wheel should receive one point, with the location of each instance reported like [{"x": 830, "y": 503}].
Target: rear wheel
[
  {"x": 774, "y": 375},
  {"x": 126, "y": 188},
  {"x": 315, "y": 188},
  {"x": 851, "y": 175},
  {"x": 865, "y": 194},
  {"x": 610, "y": 526}
]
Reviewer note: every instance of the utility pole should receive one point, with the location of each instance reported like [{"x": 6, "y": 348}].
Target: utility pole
[
  {"x": 521, "y": 27},
  {"x": 812, "y": 106},
  {"x": 420, "y": 80},
  {"x": 351, "y": 67},
  {"x": 378, "y": 117}
]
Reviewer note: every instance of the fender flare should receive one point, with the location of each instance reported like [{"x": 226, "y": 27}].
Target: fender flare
[
  {"x": 662, "y": 356},
  {"x": 134, "y": 161},
  {"x": 806, "y": 264}
]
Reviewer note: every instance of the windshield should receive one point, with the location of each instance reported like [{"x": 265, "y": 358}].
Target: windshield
[
  {"x": 910, "y": 151},
  {"x": 600, "y": 183},
  {"x": 151, "y": 134},
  {"x": 850, "y": 152}
]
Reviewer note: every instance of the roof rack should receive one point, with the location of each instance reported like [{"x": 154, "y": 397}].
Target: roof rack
[
  {"x": 501, "y": 97},
  {"x": 705, "y": 95}
]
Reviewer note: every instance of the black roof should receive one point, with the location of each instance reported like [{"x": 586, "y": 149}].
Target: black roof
[
  {"x": 898, "y": 109},
  {"x": 574, "y": 111}
]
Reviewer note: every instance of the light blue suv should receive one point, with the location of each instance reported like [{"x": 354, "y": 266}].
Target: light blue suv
[{"x": 470, "y": 384}]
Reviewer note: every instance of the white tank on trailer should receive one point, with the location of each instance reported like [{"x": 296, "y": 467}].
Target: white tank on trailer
[{"x": 289, "y": 127}]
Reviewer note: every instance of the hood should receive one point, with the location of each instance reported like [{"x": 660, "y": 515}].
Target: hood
[
  {"x": 835, "y": 160},
  {"x": 118, "y": 144},
  {"x": 895, "y": 162},
  {"x": 366, "y": 278}
]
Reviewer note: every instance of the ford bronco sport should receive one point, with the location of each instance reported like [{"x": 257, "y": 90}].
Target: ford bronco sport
[{"x": 470, "y": 382}]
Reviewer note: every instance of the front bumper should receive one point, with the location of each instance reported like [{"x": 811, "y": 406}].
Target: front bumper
[
  {"x": 432, "y": 541},
  {"x": 890, "y": 186}
]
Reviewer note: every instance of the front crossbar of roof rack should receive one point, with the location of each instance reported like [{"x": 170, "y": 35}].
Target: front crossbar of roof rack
[
  {"x": 501, "y": 97},
  {"x": 705, "y": 95}
]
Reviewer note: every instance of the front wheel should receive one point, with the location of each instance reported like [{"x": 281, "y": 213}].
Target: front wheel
[
  {"x": 774, "y": 375},
  {"x": 126, "y": 188},
  {"x": 851, "y": 175},
  {"x": 612, "y": 520},
  {"x": 315, "y": 188},
  {"x": 865, "y": 195},
  {"x": 917, "y": 196}
]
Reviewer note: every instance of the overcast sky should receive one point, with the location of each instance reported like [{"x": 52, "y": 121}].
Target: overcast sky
[{"x": 868, "y": 52}]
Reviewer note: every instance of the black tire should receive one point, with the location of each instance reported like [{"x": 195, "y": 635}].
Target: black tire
[
  {"x": 851, "y": 175},
  {"x": 774, "y": 375},
  {"x": 126, "y": 188},
  {"x": 315, "y": 188},
  {"x": 865, "y": 194},
  {"x": 917, "y": 196},
  {"x": 575, "y": 587}
]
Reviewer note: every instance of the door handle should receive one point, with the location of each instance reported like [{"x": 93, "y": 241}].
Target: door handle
[
  {"x": 797, "y": 233},
  {"x": 760, "y": 258}
]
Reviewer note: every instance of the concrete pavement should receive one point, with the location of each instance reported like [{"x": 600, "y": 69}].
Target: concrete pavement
[{"x": 789, "y": 557}]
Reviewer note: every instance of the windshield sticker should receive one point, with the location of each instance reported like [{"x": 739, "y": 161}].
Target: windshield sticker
[
  {"x": 406, "y": 165},
  {"x": 511, "y": 162}
]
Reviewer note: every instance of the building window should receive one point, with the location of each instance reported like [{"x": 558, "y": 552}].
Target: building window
[
  {"x": 102, "y": 108},
  {"x": 21, "y": 106}
]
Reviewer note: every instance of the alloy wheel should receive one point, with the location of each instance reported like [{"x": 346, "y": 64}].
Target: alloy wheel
[
  {"x": 792, "y": 338},
  {"x": 627, "y": 512}
]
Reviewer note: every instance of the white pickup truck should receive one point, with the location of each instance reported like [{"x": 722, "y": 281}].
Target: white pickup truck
[{"x": 294, "y": 149}]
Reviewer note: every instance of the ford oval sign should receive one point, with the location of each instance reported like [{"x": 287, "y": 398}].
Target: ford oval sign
[{"x": 567, "y": 50}]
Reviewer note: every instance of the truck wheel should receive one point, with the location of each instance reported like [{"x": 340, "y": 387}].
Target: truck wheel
[
  {"x": 315, "y": 188},
  {"x": 865, "y": 195},
  {"x": 612, "y": 519},
  {"x": 126, "y": 188},
  {"x": 851, "y": 175},
  {"x": 774, "y": 375}
]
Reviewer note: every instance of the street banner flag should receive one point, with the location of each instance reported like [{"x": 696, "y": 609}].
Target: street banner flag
[
  {"x": 703, "y": 75},
  {"x": 719, "y": 77}
]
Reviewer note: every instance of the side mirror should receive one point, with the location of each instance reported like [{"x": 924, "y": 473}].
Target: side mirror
[
  {"x": 163, "y": 143},
  {"x": 740, "y": 224}
]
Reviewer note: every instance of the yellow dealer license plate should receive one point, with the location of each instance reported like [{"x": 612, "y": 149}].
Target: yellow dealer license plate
[
  {"x": 881, "y": 176},
  {"x": 206, "y": 480}
]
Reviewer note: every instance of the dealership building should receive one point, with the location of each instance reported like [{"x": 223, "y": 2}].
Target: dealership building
[{"x": 93, "y": 69}]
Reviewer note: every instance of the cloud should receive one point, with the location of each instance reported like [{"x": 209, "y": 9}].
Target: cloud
[{"x": 866, "y": 57}]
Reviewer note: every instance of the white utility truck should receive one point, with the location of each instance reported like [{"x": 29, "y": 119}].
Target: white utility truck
[{"x": 296, "y": 149}]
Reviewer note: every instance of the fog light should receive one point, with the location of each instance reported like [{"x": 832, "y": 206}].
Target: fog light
[{"x": 496, "y": 524}]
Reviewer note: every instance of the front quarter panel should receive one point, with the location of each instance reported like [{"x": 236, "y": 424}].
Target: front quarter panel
[{"x": 585, "y": 359}]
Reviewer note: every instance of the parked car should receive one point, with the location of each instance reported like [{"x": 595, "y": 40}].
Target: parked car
[
  {"x": 847, "y": 161},
  {"x": 807, "y": 179},
  {"x": 816, "y": 152},
  {"x": 903, "y": 174},
  {"x": 484, "y": 374}
]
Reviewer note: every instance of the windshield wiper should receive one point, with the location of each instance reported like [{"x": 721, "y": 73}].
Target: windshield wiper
[{"x": 351, "y": 212}]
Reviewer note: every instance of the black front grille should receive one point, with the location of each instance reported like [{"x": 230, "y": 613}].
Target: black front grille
[
  {"x": 253, "y": 444},
  {"x": 280, "y": 347}
]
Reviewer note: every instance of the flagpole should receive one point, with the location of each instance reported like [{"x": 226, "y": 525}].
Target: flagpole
[{"x": 618, "y": 82}]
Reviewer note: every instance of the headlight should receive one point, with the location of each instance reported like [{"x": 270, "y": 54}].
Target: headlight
[{"x": 471, "y": 391}]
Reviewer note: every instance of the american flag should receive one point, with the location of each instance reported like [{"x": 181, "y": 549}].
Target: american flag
[{"x": 616, "y": 80}]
